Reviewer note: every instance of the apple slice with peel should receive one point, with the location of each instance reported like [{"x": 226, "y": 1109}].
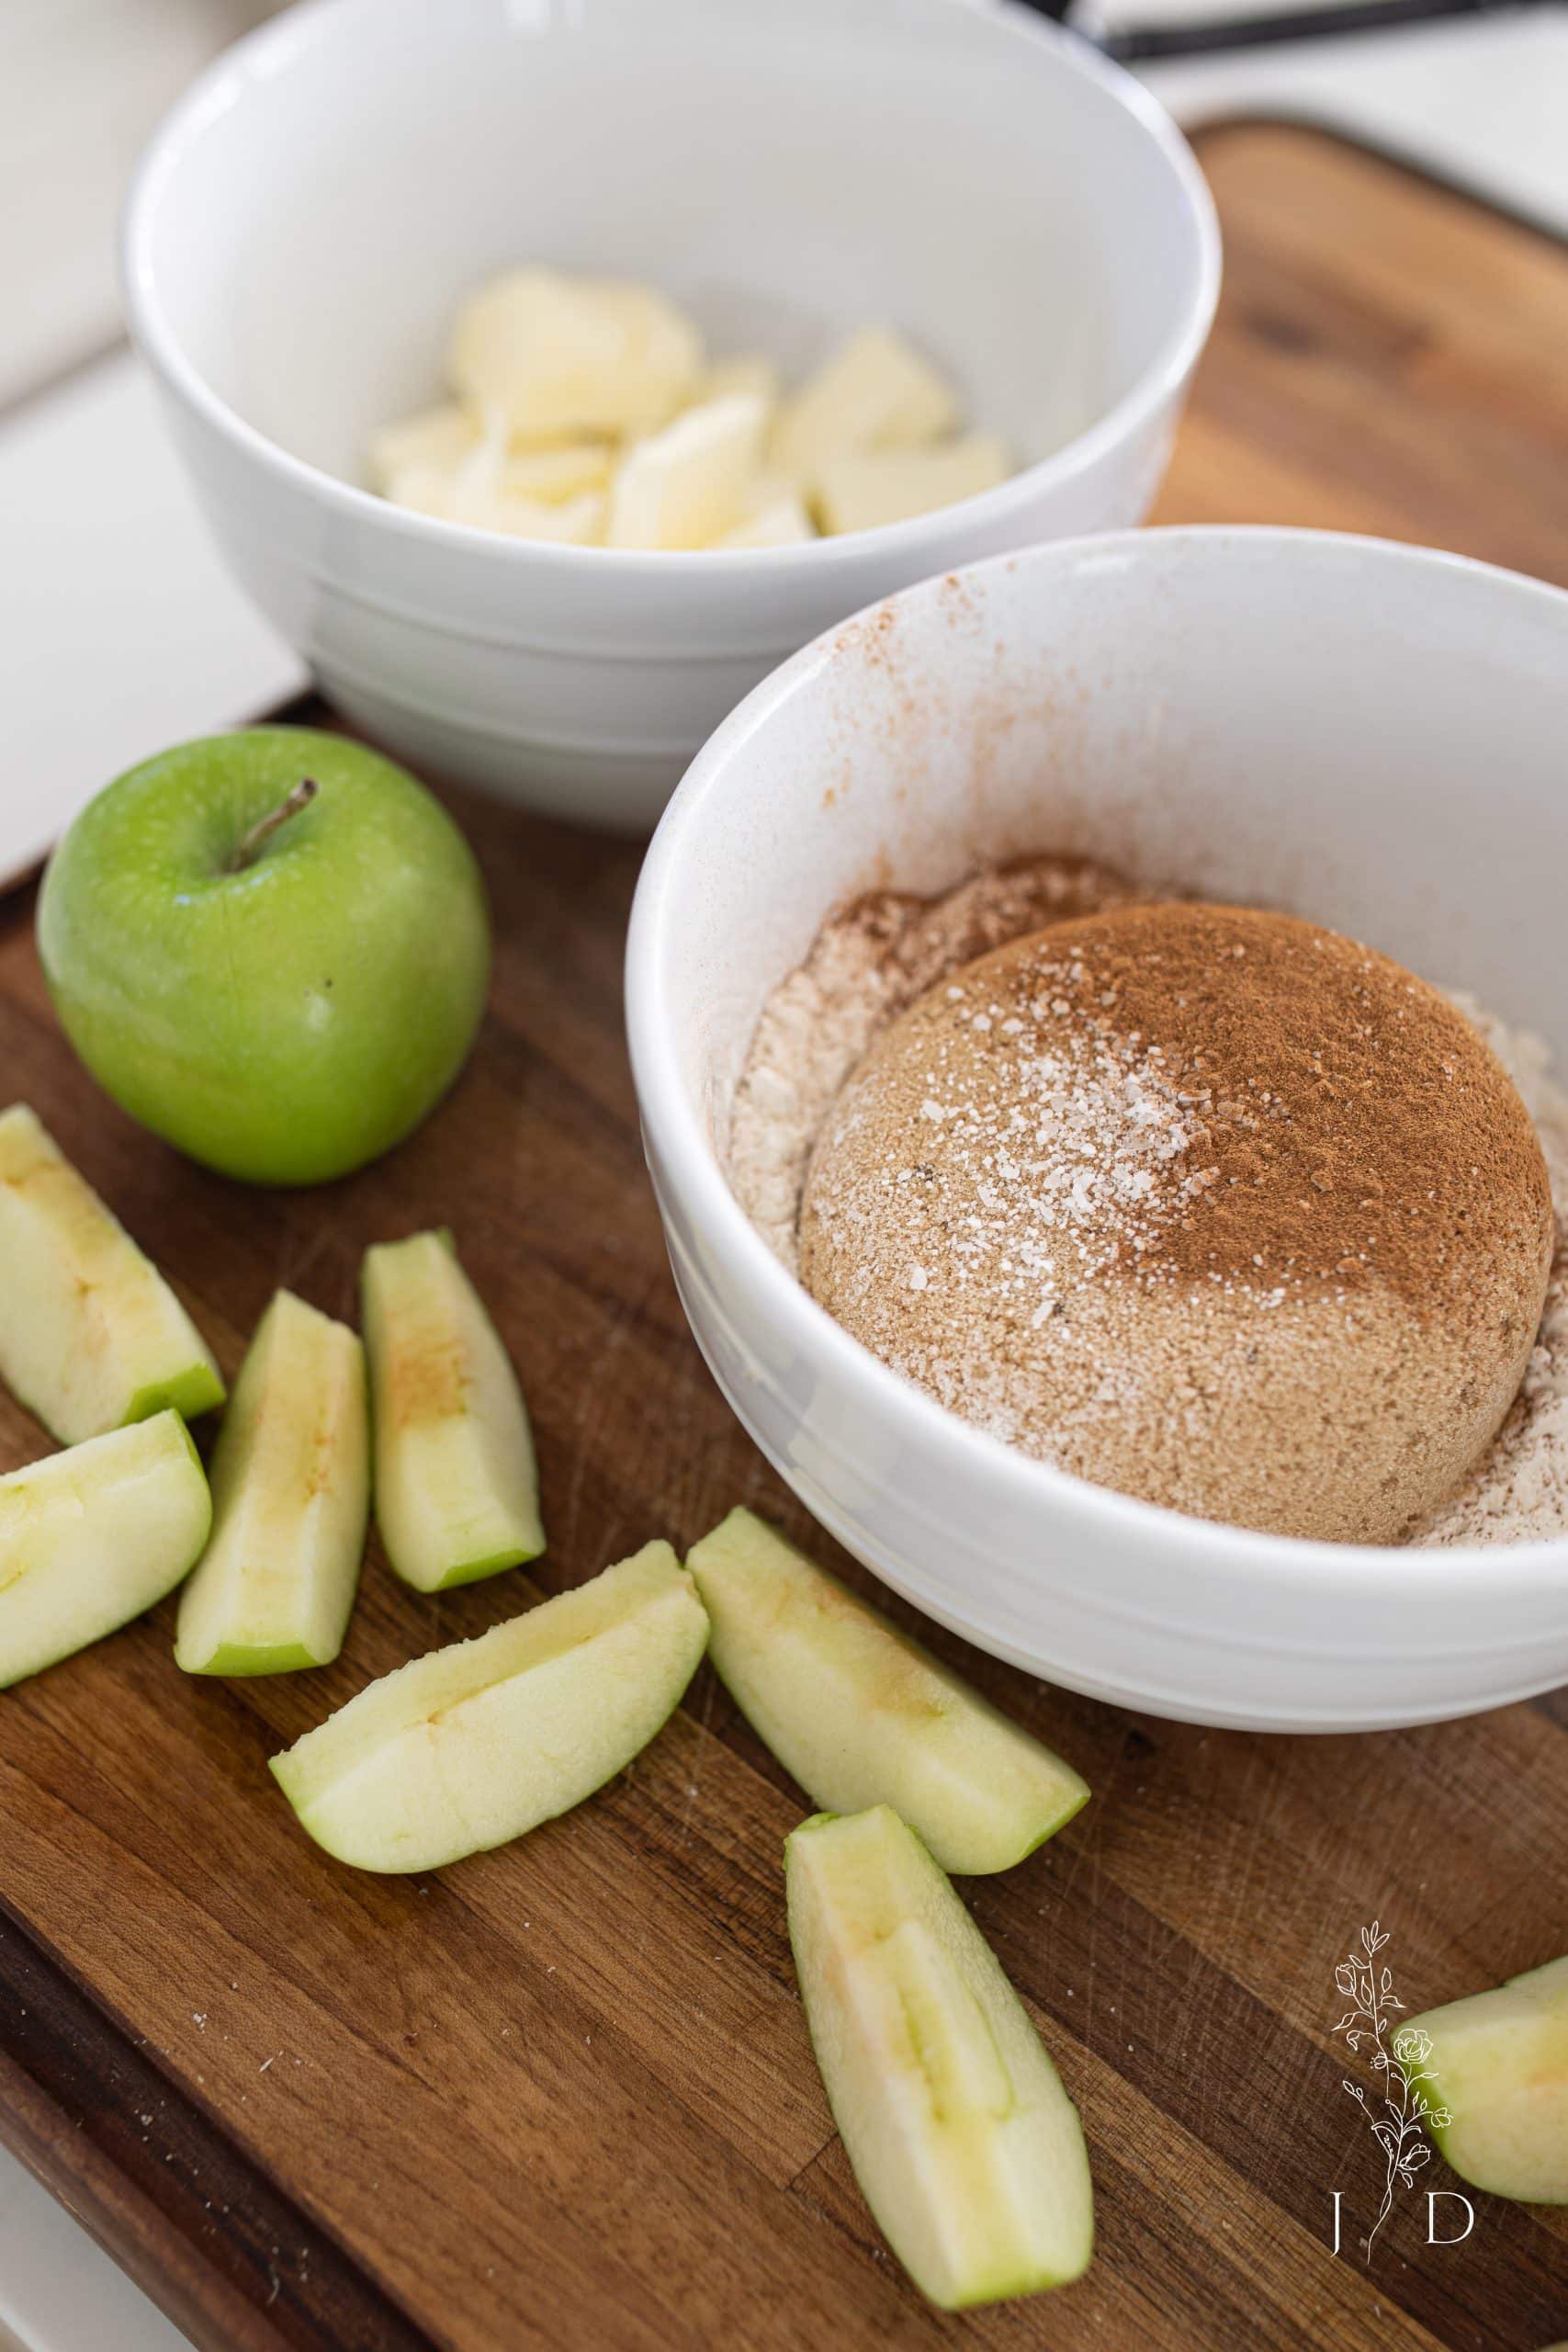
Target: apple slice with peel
[
  {"x": 477, "y": 1743},
  {"x": 456, "y": 1492},
  {"x": 861, "y": 1714},
  {"x": 290, "y": 1497},
  {"x": 91, "y": 1335},
  {"x": 1497, "y": 2069},
  {"x": 966, "y": 2147},
  {"x": 91, "y": 1537}
]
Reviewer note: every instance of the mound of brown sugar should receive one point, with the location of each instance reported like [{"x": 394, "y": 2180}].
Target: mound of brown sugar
[{"x": 1203, "y": 1202}]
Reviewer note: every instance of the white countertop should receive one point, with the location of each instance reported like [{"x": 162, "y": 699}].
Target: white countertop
[
  {"x": 58, "y": 2292},
  {"x": 135, "y": 635},
  {"x": 1478, "y": 100}
]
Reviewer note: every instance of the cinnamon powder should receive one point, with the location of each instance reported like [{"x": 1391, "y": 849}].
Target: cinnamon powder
[{"x": 1352, "y": 1127}]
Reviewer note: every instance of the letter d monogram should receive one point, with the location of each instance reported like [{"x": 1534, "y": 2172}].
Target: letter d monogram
[{"x": 1432, "y": 2237}]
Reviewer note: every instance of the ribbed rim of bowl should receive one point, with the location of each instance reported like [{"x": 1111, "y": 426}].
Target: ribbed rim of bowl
[
  {"x": 265, "y": 52},
  {"x": 695, "y": 1172}
]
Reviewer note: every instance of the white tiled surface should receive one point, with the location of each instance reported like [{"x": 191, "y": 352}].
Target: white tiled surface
[
  {"x": 82, "y": 83},
  {"x": 1478, "y": 100},
  {"x": 119, "y": 630},
  {"x": 57, "y": 2291},
  {"x": 133, "y": 634}
]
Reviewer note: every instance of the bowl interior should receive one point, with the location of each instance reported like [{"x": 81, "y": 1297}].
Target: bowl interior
[
  {"x": 339, "y": 182},
  {"x": 1368, "y": 735}
]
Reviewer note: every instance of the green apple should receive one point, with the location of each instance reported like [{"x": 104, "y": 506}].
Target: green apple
[
  {"x": 456, "y": 1492},
  {"x": 91, "y": 1335},
  {"x": 968, "y": 2150},
  {"x": 271, "y": 948},
  {"x": 477, "y": 1743},
  {"x": 1497, "y": 2069},
  {"x": 290, "y": 1497},
  {"x": 863, "y": 1715},
  {"x": 91, "y": 1537}
]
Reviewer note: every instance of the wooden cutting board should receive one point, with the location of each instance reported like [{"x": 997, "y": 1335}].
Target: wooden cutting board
[{"x": 561, "y": 2096}]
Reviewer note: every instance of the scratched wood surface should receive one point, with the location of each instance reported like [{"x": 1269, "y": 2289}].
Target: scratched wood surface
[{"x": 561, "y": 2096}]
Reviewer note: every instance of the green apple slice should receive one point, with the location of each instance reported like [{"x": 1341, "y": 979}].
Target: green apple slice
[
  {"x": 290, "y": 1497},
  {"x": 91, "y": 1537},
  {"x": 456, "y": 1492},
  {"x": 1496, "y": 2065},
  {"x": 91, "y": 1335},
  {"x": 968, "y": 2150},
  {"x": 477, "y": 1743},
  {"x": 862, "y": 1715}
]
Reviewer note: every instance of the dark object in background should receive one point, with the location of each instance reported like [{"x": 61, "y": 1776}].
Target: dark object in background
[{"x": 1135, "y": 46}]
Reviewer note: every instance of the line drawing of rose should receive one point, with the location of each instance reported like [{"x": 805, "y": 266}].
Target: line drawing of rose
[{"x": 1399, "y": 2056}]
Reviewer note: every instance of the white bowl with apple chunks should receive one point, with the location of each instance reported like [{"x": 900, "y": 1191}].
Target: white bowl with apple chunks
[
  {"x": 586, "y": 412},
  {"x": 626, "y": 349}
]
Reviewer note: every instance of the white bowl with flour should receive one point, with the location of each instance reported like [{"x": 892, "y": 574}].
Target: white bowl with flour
[{"x": 1365, "y": 734}]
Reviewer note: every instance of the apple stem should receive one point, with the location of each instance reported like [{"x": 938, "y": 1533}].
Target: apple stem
[{"x": 253, "y": 843}]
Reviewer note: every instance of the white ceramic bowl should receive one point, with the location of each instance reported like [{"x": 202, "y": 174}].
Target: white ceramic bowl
[
  {"x": 308, "y": 216},
  {"x": 1372, "y": 735}
]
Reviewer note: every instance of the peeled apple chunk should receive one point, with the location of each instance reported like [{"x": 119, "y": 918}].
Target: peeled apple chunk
[
  {"x": 874, "y": 392},
  {"x": 781, "y": 523},
  {"x": 290, "y": 1496},
  {"x": 747, "y": 371},
  {"x": 91, "y": 1537},
  {"x": 1498, "y": 2066},
  {"x": 565, "y": 356},
  {"x": 587, "y": 414},
  {"x": 569, "y": 522},
  {"x": 859, "y": 1714},
  {"x": 425, "y": 490},
  {"x": 479, "y": 1743},
  {"x": 555, "y": 475},
  {"x": 683, "y": 487},
  {"x": 862, "y": 492},
  {"x": 532, "y": 494},
  {"x": 436, "y": 439},
  {"x": 457, "y": 1491},
  {"x": 967, "y": 2149},
  {"x": 91, "y": 1335}
]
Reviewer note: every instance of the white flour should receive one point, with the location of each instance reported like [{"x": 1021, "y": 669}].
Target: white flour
[
  {"x": 1519, "y": 1493},
  {"x": 865, "y": 968}
]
